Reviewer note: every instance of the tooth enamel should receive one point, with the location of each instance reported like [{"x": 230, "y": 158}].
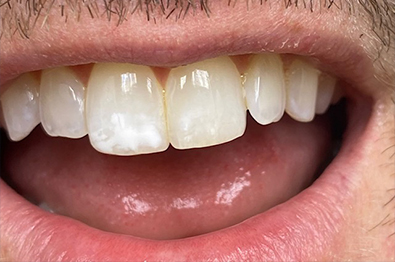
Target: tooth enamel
[
  {"x": 337, "y": 95},
  {"x": 44, "y": 206},
  {"x": 265, "y": 88},
  {"x": 326, "y": 87},
  {"x": 205, "y": 104},
  {"x": 62, "y": 103},
  {"x": 125, "y": 110},
  {"x": 124, "y": 107},
  {"x": 21, "y": 107},
  {"x": 301, "y": 89}
]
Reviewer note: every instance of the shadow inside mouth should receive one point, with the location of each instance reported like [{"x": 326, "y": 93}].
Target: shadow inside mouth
[{"x": 176, "y": 193}]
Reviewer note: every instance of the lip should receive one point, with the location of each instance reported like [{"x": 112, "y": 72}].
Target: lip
[
  {"x": 172, "y": 43},
  {"x": 300, "y": 229}
]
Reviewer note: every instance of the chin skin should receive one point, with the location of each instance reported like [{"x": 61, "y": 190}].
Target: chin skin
[
  {"x": 369, "y": 235},
  {"x": 369, "y": 231},
  {"x": 376, "y": 201}
]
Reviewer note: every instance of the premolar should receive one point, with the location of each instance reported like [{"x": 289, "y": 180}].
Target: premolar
[
  {"x": 302, "y": 91},
  {"x": 326, "y": 88},
  {"x": 205, "y": 104},
  {"x": 21, "y": 106},
  {"x": 62, "y": 103},
  {"x": 125, "y": 110}
]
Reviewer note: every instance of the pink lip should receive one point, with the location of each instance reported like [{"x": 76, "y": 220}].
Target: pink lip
[
  {"x": 300, "y": 229},
  {"x": 169, "y": 43}
]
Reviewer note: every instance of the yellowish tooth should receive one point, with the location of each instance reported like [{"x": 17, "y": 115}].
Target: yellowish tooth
[
  {"x": 205, "y": 104},
  {"x": 301, "y": 91},
  {"x": 338, "y": 94},
  {"x": 326, "y": 88},
  {"x": 62, "y": 103},
  {"x": 20, "y": 106},
  {"x": 265, "y": 88},
  {"x": 125, "y": 110}
]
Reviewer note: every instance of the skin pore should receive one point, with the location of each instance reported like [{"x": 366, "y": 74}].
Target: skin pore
[{"x": 38, "y": 34}]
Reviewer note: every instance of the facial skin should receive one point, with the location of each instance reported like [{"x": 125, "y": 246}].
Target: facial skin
[{"x": 350, "y": 40}]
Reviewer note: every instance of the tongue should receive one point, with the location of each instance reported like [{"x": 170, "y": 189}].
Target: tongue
[{"x": 173, "y": 194}]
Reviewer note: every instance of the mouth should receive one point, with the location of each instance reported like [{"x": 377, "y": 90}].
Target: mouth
[{"x": 151, "y": 154}]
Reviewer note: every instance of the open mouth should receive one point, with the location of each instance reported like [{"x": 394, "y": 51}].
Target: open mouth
[{"x": 230, "y": 153}]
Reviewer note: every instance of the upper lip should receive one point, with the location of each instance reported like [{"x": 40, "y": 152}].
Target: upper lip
[{"x": 177, "y": 43}]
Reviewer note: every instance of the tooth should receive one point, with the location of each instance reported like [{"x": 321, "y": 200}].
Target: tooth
[
  {"x": 20, "y": 107},
  {"x": 337, "y": 95},
  {"x": 205, "y": 104},
  {"x": 62, "y": 103},
  {"x": 44, "y": 206},
  {"x": 301, "y": 91},
  {"x": 265, "y": 88},
  {"x": 326, "y": 87},
  {"x": 125, "y": 110}
]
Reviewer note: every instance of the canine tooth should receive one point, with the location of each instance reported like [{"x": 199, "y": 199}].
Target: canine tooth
[
  {"x": 62, "y": 103},
  {"x": 21, "y": 107},
  {"x": 302, "y": 91},
  {"x": 265, "y": 88},
  {"x": 125, "y": 110},
  {"x": 326, "y": 87},
  {"x": 205, "y": 104}
]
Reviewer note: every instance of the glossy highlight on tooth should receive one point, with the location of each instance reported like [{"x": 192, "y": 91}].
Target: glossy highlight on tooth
[
  {"x": 125, "y": 110},
  {"x": 62, "y": 103},
  {"x": 265, "y": 88},
  {"x": 302, "y": 91},
  {"x": 20, "y": 106},
  {"x": 205, "y": 104}
]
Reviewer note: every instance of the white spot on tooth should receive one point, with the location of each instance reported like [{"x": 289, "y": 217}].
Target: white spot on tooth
[
  {"x": 125, "y": 110},
  {"x": 119, "y": 137}
]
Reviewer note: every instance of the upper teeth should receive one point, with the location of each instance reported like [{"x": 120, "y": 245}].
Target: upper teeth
[
  {"x": 205, "y": 104},
  {"x": 62, "y": 103},
  {"x": 125, "y": 110},
  {"x": 265, "y": 88}
]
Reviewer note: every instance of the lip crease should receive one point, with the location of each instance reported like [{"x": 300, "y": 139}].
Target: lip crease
[{"x": 300, "y": 229}]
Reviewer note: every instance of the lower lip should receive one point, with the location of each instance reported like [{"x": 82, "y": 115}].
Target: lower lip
[
  {"x": 300, "y": 229},
  {"x": 280, "y": 234}
]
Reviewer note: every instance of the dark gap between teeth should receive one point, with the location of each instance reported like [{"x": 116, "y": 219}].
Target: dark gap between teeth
[{"x": 140, "y": 209}]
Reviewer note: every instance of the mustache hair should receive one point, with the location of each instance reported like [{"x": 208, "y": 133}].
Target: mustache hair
[
  {"x": 21, "y": 16},
  {"x": 26, "y": 11}
]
